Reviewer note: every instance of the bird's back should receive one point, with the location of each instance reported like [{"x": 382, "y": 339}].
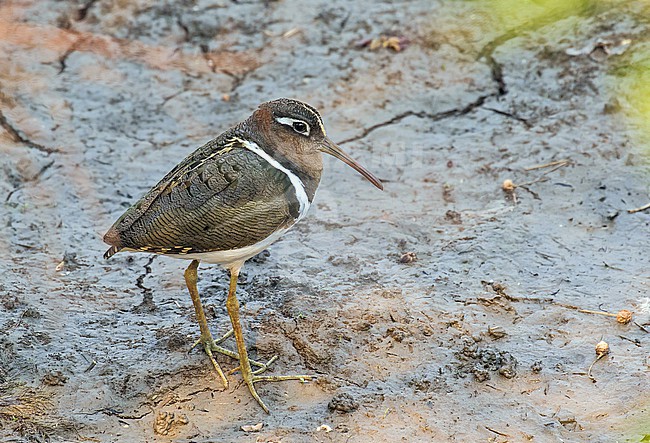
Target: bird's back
[{"x": 223, "y": 196}]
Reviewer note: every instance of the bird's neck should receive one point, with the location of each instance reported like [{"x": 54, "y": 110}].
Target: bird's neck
[{"x": 308, "y": 167}]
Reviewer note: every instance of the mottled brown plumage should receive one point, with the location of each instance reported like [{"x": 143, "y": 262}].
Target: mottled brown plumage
[
  {"x": 230, "y": 199},
  {"x": 223, "y": 196},
  {"x": 235, "y": 199}
]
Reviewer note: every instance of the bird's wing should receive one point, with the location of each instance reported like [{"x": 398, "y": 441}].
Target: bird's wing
[{"x": 222, "y": 196}]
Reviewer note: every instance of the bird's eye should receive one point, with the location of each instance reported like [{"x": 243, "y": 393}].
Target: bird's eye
[{"x": 300, "y": 127}]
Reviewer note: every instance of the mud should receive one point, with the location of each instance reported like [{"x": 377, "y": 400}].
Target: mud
[{"x": 443, "y": 309}]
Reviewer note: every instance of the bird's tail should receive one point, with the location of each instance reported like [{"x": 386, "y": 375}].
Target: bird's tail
[{"x": 112, "y": 251}]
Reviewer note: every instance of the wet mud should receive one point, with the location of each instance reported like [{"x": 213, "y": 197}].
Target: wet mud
[{"x": 447, "y": 308}]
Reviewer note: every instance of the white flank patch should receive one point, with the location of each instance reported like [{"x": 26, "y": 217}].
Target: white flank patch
[
  {"x": 298, "y": 186},
  {"x": 234, "y": 257}
]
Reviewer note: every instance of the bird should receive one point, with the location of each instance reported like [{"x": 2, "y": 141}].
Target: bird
[{"x": 229, "y": 200}]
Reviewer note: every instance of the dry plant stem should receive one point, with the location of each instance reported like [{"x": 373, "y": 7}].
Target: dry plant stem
[
  {"x": 543, "y": 177},
  {"x": 592, "y": 365},
  {"x": 558, "y": 164},
  {"x": 513, "y": 298},
  {"x": 587, "y": 311},
  {"x": 639, "y": 209},
  {"x": 561, "y": 165},
  {"x": 546, "y": 165},
  {"x": 540, "y": 179},
  {"x": 497, "y": 432},
  {"x": 232, "y": 305},
  {"x": 642, "y": 328}
]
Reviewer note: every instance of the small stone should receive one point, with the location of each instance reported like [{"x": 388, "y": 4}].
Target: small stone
[
  {"x": 343, "y": 402},
  {"x": 508, "y": 371},
  {"x": 481, "y": 374},
  {"x": 536, "y": 367},
  {"x": 325, "y": 428},
  {"x": 55, "y": 378},
  {"x": 167, "y": 423},
  {"x": 496, "y": 332},
  {"x": 253, "y": 428},
  {"x": 624, "y": 317},
  {"x": 408, "y": 257}
]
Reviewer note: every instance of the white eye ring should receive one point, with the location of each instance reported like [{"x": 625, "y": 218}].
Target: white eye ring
[{"x": 288, "y": 121}]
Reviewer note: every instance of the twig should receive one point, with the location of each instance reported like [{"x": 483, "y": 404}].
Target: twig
[
  {"x": 587, "y": 311},
  {"x": 91, "y": 366},
  {"x": 455, "y": 112},
  {"x": 546, "y": 165},
  {"x": 497, "y": 432},
  {"x": 639, "y": 209},
  {"x": 92, "y": 363},
  {"x": 591, "y": 377},
  {"x": 556, "y": 168},
  {"x": 642, "y": 328},
  {"x": 533, "y": 193},
  {"x": 612, "y": 267},
  {"x": 537, "y": 180},
  {"x": 636, "y": 341}
]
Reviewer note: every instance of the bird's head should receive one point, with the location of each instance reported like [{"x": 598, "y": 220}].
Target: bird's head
[{"x": 295, "y": 129}]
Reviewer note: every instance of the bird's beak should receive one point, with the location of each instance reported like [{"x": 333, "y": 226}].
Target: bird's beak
[{"x": 329, "y": 147}]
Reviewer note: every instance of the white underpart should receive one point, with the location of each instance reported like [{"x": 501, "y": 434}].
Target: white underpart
[
  {"x": 234, "y": 258},
  {"x": 290, "y": 121}
]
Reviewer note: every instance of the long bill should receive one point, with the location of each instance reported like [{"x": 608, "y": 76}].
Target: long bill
[{"x": 329, "y": 147}]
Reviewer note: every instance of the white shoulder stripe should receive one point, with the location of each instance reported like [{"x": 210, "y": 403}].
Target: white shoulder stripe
[{"x": 298, "y": 185}]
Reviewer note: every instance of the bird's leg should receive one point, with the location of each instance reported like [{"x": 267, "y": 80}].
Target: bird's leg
[
  {"x": 209, "y": 344},
  {"x": 250, "y": 377},
  {"x": 206, "y": 338}
]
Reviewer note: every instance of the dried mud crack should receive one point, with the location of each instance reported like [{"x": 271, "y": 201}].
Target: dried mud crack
[
  {"x": 147, "y": 304},
  {"x": 16, "y": 136},
  {"x": 456, "y": 112},
  {"x": 446, "y": 311}
]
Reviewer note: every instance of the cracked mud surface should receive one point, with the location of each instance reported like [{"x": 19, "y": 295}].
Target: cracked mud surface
[{"x": 473, "y": 336}]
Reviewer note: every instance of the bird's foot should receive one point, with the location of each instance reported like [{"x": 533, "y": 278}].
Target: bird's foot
[
  {"x": 210, "y": 346},
  {"x": 251, "y": 379}
]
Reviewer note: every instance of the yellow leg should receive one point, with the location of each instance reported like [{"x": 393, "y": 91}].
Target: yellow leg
[
  {"x": 210, "y": 345},
  {"x": 206, "y": 338},
  {"x": 244, "y": 363}
]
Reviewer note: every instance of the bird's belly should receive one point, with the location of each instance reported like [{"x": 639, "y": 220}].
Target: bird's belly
[{"x": 234, "y": 257}]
